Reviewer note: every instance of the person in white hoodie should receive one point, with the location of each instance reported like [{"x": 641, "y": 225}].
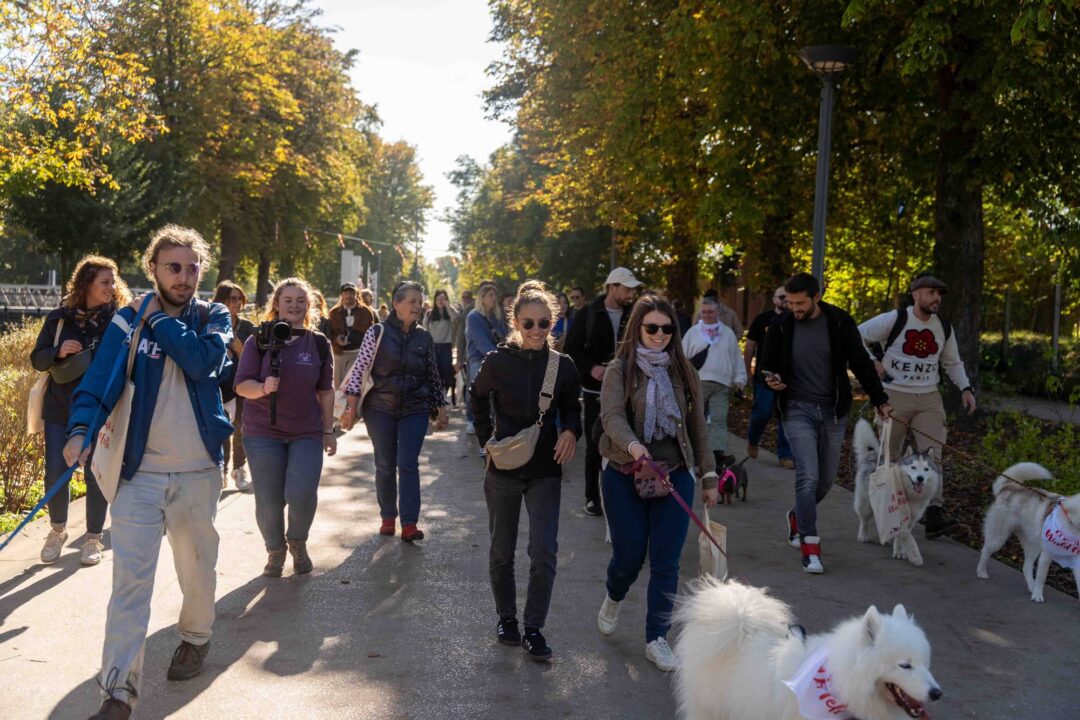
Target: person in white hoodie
[
  {"x": 911, "y": 347},
  {"x": 714, "y": 350}
]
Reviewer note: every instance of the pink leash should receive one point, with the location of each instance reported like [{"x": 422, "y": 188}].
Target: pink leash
[{"x": 666, "y": 482}]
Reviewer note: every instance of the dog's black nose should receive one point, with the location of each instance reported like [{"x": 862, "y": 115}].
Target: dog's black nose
[
  {"x": 920, "y": 479},
  {"x": 935, "y": 694}
]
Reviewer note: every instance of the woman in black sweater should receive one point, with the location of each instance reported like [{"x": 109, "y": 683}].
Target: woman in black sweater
[{"x": 505, "y": 400}]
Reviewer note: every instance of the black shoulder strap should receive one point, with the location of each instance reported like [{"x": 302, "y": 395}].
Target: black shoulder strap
[
  {"x": 897, "y": 328},
  {"x": 323, "y": 345},
  {"x": 947, "y": 327}
]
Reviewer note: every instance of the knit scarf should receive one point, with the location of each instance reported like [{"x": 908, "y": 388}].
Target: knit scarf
[{"x": 661, "y": 410}]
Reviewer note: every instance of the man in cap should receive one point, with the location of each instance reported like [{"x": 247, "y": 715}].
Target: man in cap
[
  {"x": 591, "y": 342},
  {"x": 349, "y": 320},
  {"x": 910, "y": 347}
]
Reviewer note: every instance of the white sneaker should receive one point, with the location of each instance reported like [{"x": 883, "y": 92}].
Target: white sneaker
[
  {"x": 91, "y": 550},
  {"x": 608, "y": 617},
  {"x": 240, "y": 478},
  {"x": 470, "y": 428},
  {"x": 811, "y": 561},
  {"x": 54, "y": 545},
  {"x": 659, "y": 653}
]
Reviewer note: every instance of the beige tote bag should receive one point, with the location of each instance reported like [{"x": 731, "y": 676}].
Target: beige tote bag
[
  {"x": 108, "y": 456},
  {"x": 35, "y": 404},
  {"x": 886, "y": 488},
  {"x": 710, "y": 560}
]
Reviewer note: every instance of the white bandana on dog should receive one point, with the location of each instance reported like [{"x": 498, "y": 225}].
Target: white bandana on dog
[
  {"x": 812, "y": 685},
  {"x": 1059, "y": 542}
]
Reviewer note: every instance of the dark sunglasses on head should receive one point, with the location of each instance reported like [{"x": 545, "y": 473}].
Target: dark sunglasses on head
[
  {"x": 542, "y": 323},
  {"x": 175, "y": 268},
  {"x": 653, "y": 328}
]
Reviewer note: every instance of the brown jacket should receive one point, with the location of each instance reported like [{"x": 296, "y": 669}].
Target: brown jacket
[
  {"x": 618, "y": 435},
  {"x": 364, "y": 317}
]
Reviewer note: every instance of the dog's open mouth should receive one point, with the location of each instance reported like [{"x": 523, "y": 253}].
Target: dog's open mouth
[
  {"x": 918, "y": 487},
  {"x": 908, "y": 704}
]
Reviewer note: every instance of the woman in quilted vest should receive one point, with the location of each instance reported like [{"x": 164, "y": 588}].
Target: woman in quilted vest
[
  {"x": 650, "y": 406},
  {"x": 404, "y": 389}
]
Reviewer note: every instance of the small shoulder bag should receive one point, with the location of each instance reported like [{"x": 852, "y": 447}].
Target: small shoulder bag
[{"x": 512, "y": 452}]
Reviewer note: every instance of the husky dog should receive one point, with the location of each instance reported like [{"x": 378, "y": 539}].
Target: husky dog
[
  {"x": 1027, "y": 513},
  {"x": 922, "y": 478},
  {"x": 740, "y": 658}
]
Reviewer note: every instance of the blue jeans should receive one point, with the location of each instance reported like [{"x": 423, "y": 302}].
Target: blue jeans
[
  {"x": 657, "y": 527},
  {"x": 763, "y": 410},
  {"x": 816, "y": 437},
  {"x": 96, "y": 504},
  {"x": 397, "y": 443},
  {"x": 284, "y": 472}
]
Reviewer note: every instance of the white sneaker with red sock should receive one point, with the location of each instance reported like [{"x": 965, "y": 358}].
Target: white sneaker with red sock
[{"x": 811, "y": 555}]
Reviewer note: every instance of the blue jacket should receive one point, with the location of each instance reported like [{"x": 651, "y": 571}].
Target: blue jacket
[
  {"x": 199, "y": 354},
  {"x": 482, "y": 334}
]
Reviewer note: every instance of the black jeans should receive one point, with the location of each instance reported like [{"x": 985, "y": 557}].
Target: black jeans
[
  {"x": 504, "y": 494},
  {"x": 592, "y": 450}
]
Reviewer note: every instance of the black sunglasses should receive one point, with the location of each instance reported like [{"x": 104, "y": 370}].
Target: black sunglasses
[
  {"x": 542, "y": 323},
  {"x": 653, "y": 328}
]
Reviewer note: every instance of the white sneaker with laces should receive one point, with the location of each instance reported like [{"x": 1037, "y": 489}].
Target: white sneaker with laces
[
  {"x": 659, "y": 653},
  {"x": 608, "y": 617},
  {"x": 470, "y": 428},
  {"x": 54, "y": 545},
  {"x": 91, "y": 550},
  {"x": 240, "y": 478}
]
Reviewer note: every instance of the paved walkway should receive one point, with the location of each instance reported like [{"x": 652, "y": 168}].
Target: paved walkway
[
  {"x": 1041, "y": 408},
  {"x": 385, "y": 630}
]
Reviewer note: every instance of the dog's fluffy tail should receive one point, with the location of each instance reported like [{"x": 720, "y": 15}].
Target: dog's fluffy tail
[
  {"x": 716, "y": 617},
  {"x": 864, "y": 442},
  {"x": 1021, "y": 473}
]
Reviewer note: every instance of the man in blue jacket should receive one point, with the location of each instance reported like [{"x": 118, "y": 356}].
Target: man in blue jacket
[{"x": 171, "y": 478}]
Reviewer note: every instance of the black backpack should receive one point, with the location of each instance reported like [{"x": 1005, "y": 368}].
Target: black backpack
[{"x": 898, "y": 327}]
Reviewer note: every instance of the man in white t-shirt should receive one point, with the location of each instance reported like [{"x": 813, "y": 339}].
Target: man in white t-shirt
[{"x": 916, "y": 344}]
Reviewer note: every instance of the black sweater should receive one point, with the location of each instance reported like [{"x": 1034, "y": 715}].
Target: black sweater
[
  {"x": 508, "y": 385},
  {"x": 43, "y": 357},
  {"x": 847, "y": 348}
]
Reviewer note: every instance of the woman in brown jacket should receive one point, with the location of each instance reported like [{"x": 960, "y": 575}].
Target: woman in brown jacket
[{"x": 650, "y": 405}]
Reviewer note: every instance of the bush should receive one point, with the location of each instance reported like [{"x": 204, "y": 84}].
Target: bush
[
  {"x": 1013, "y": 438},
  {"x": 1026, "y": 369}
]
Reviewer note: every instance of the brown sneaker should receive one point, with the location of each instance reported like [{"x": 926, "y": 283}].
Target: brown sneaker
[
  {"x": 751, "y": 450},
  {"x": 787, "y": 463},
  {"x": 301, "y": 562},
  {"x": 275, "y": 562},
  {"x": 187, "y": 661},
  {"x": 112, "y": 710}
]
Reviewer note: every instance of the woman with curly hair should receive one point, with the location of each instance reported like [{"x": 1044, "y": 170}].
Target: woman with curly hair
[{"x": 65, "y": 346}]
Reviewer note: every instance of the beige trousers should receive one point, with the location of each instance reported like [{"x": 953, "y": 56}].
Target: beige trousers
[{"x": 922, "y": 417}]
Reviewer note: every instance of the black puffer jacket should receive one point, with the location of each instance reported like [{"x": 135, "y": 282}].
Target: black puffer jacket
[
  {"x": 508, "y": 385},
  {"x": 403, "y": 372},
  {"x": 43, "y": 357}
]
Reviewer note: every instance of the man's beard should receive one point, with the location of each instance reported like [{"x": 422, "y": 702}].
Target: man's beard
[
  {"x": 930, "y": 309},
  {"x": 172, "y": 298},
  {"x": 809, "y": 314}
]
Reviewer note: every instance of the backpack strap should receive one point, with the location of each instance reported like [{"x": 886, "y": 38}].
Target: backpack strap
[
  {"x": 322, "y": 343},
  {"x": 897, "y": 328}
]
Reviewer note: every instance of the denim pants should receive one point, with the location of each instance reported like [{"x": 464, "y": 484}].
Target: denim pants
[
  {"x": 816, "y": 436},
  {"x": 717, "y": 398},
  {"x": 762, "y": 411},
  {"x": 504, "y": 494},
  {"x": 184, "y": 505},
  {"x": 284, "y": 473},
  {"x": 96, "y": 504},
  {"x": 657, "y": 527},
  {"x": 591, "y": 402},
  {"x": 397, "y": 443}
]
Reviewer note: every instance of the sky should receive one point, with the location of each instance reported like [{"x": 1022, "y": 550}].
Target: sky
[{"x": 422, "y": 65}]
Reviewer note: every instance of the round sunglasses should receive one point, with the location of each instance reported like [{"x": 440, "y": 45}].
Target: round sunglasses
[
  {"x": 542, "y": 323},
  {"x": 653, "y": 328}
]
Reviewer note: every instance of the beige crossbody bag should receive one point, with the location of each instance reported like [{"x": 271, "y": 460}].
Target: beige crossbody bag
[{"x": 514, "y": 451}]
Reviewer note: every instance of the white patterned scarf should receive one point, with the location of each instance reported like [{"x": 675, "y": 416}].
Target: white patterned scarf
[{"x": 661, "y": 410}]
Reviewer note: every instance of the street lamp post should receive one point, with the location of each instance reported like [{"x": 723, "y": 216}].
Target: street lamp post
[{"x": 827, "y": 62}]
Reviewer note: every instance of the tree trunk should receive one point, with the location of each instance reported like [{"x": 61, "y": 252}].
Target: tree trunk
[
  {"x": 958, "y": 216},
  {"x": 262, "y": 283},
  {"x": 682, "y": 274},
  {"x": 769, "y": 264},
  {"x": 230, "y": 249}
]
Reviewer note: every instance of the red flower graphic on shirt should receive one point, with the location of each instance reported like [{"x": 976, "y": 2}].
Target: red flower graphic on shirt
[{"x": 920, "y": 343}]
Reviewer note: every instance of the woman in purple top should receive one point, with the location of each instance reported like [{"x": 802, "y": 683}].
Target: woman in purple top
[{"x": 286, "y": 456}]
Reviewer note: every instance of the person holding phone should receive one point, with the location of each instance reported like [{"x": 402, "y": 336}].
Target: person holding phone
[{"x": 808, "y": 350}]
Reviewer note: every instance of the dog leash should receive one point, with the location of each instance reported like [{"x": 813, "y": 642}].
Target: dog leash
[
  {"x": 63, "y": 480},
  {"x": 666, "y": 482}
]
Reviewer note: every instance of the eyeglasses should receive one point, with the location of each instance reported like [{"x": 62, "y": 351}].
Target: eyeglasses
[
  {"x": 542, "y": 323},
  {"x": 236, "y": 298},
  {"x": 653, "y": 328},
  {"x": 176, "y": 268}
]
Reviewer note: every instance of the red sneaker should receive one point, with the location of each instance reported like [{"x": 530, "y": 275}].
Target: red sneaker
[
  {"x": 388, "y": 527},
  {"x": 410, "y": 533}
]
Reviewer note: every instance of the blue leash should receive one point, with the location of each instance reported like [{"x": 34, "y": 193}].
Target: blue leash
[{"x": 121, "y": 361}]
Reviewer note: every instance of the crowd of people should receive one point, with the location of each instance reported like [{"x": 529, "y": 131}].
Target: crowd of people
[{"x": 645, "y": 383}]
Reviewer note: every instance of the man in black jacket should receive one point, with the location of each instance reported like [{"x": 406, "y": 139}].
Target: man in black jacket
[
  {"x": 591, "y": 343},
  {"x": 807, "y": 353}
]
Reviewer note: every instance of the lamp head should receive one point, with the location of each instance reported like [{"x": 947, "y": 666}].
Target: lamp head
[{"x": 827, "y": 61}]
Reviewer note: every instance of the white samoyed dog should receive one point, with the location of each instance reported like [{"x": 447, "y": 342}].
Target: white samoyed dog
[
  {"x": 741, "y": 658},
  {"x": 1047, "y": 525},
  {"x": 922, "y": 478}
]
